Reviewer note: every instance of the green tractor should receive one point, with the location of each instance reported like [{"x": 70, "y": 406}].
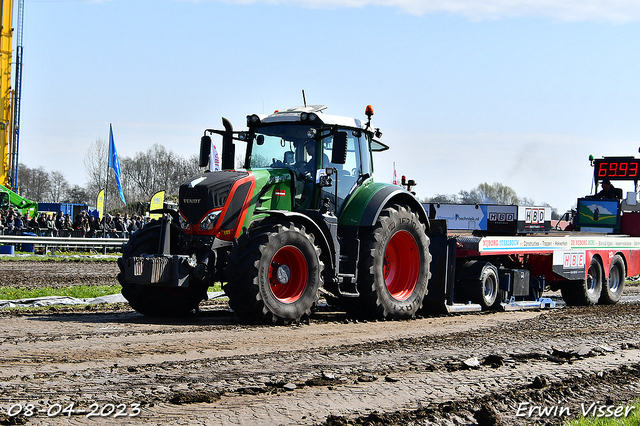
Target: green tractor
[{"x": 302, "y": 216}]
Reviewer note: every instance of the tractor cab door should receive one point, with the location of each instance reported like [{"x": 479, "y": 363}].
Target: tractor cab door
[{"x": 346, "y": 176}]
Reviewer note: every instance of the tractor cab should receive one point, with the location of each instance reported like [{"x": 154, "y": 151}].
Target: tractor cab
[{"x": 325, "y": 156}]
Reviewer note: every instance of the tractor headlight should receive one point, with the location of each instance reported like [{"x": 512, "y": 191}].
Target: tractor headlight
[
  {"x": 210, "y": 220},
  {"x": 183, "y": 222}
]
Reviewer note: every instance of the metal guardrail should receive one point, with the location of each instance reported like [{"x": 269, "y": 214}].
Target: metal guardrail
[{"x": 50, "y": 242}]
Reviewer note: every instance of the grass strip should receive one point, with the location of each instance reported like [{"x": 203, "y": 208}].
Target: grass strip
[{"x": 78, "y": 291}]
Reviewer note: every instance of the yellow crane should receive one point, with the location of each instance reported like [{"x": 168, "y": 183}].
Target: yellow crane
[{"x": 9, "y": 97}]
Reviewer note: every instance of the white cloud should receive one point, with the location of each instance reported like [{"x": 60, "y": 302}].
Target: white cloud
[{"x": 618, "y": 11}]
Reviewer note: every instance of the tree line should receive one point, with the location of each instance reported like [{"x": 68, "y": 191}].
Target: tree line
[
  {"x": 160, "y": 169},
  {"x": 144, "y": 174}
]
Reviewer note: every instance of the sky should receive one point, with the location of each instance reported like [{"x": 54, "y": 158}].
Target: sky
[{"x": 519, "y": 92}]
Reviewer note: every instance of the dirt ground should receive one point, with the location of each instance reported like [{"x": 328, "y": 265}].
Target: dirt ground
[{"x": 110, "y": 365}]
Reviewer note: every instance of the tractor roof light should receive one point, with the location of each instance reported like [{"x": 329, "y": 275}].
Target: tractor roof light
[
  {"x": 368, "y": 111},
  {"x": 308, "y": 116},
  {"x": 252, "y": 120}
]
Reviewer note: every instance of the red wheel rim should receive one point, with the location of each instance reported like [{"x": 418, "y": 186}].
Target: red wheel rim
[
  {"x": 401, "y": 266},
  {"x": 290, "y": 261}
]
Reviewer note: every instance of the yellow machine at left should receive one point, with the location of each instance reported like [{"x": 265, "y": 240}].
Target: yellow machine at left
[{"x": 6, "y": 93}]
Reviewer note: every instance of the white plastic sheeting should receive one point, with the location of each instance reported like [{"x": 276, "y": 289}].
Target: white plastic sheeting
[{"x": 65, "y": 300}]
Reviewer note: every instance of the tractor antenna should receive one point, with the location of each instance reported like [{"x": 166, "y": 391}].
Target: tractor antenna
[{"x": 304, "y": 98}]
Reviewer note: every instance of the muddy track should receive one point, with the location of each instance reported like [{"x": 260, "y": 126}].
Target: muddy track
[
  {"x": 209, "y": 369},
  {"x": 57, "y": 274}
]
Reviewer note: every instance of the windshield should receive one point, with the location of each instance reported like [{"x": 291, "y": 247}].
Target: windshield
[
  {"x": 278, "y": 146},
  {"x": 287, "y": 146}
]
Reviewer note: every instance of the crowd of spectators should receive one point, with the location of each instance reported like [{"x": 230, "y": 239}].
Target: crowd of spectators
[{"x": 12, "y": 222}]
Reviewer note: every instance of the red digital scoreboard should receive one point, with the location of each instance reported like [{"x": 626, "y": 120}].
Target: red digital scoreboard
[{"x": 616, "y": 168}]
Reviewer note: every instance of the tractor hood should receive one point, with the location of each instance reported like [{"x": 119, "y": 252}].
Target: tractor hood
[{"x": 202, "y": 193}]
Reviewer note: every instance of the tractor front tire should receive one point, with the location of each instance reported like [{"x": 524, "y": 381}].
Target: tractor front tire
[
  {"x": 394, "y": 265},
  {"x": 154, "y": 300},
  {"x": 274, "y": 273}
]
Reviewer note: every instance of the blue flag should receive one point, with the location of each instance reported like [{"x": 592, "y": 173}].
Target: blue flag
[{"x": 114, "y": 163}]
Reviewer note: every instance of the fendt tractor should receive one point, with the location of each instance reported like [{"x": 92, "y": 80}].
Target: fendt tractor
[{"x": 303, "y": 216}]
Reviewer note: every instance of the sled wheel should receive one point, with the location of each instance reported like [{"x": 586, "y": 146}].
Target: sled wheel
[
  {"x": 154, "y": 300},
  {"x": 274, "y": 273},
  {"x": 487, "y": 291},
  {"x": 584, "y": 292},
  {"x": 614, "y": 286},
  {"x": 478, "y": 283},
  {"x": 394, "y": 265}
]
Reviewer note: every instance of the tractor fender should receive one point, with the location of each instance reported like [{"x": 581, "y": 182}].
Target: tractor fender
[
  {"x": 365, "y": 206},
  {"x": 311, "y": 226}
]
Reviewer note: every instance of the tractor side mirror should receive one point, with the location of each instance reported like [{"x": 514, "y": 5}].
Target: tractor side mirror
[
  {"x": 339, "y": 151},
  {"x": 205, "y": 151}
]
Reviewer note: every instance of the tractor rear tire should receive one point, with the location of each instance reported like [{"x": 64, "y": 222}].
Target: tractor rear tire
[
  {"x": 274, "y": 273},
  {"x": 394, "y": 265},
  {"x": 612, "y": 289},
  {"x": 584, "y": 292},
  {"x": 154, "y": 300}
]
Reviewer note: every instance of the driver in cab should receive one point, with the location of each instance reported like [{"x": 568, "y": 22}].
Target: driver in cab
[
  {"x": 609, "y": 191},
  {"x": 308, "y": 167}
]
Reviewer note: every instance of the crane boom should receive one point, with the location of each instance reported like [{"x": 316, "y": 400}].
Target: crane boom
[{"x": 6, "y": 48}]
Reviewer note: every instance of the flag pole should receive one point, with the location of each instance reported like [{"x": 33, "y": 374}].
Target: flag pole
[{"x": 106, "y": 188}]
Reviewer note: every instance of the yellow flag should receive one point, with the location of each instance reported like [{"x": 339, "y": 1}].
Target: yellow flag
[
  {"x": 157, "y": 202},
  {"x": 100, "y": 204}
]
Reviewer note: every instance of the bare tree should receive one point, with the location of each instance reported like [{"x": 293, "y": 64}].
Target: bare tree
[
  {"x": 34, "y": 183},
  {"x": 58, "y": 187},
  {"x": 155, "y": 170},
  {"x": 79, "y": 195},
  {"x": 95, "y": 163},
  {"x": 497, "y": 193}
]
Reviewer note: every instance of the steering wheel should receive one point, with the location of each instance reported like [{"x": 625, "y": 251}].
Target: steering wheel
[{"x": 277, "y": 164}]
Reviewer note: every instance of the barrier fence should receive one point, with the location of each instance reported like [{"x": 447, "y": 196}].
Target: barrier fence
[{"x": 29, "y": 243}]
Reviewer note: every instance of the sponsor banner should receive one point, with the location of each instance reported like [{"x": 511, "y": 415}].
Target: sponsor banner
[{"x": 462, "y": 216}]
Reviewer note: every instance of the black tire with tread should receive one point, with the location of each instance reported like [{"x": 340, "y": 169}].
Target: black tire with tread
[
  {"x": 248, "y": 264},
  {"x": 614, "y": 286},
  {"x": 375, "y": 299},
  {"x": 486, "y": 290},
  {"x": 584, "y": 292}
]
